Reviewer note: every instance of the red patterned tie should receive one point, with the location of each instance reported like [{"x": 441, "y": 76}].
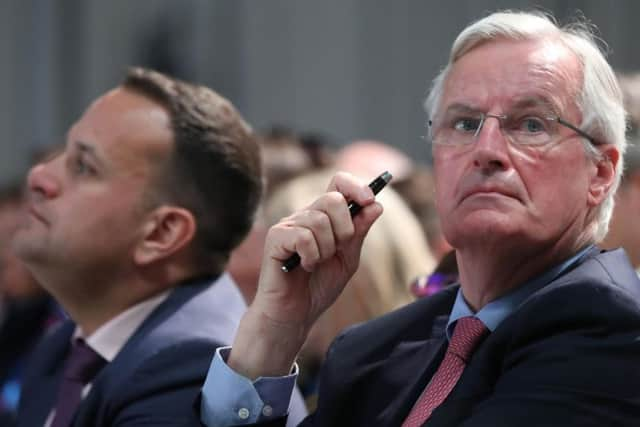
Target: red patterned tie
[{"x": 467, "y": 334}]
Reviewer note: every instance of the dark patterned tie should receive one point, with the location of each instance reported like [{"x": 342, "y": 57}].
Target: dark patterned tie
[
  {"x": 80, "y": 368},
  {"x": 468, "y": 333}
]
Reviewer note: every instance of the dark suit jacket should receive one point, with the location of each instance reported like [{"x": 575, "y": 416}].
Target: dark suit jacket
[
  {"x": 155, "y": 378},
  {"x": 569, "y": 356}
]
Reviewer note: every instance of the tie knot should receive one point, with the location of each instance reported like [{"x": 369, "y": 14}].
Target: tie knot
[
  {"x": 467, "y": 334},
  {"x": 83, "y": 362}
]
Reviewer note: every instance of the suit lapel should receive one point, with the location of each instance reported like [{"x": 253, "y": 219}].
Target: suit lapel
[
  {"x": 409, "y": 368},
  {"x": 41, "y": 386},
  {"x": 37, "y": 409},
  {"x": 92, "y": 411}
]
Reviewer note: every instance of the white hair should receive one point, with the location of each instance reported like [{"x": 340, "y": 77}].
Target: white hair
[{"x": 599, "y": 100}]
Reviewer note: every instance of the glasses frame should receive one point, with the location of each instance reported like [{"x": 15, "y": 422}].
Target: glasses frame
[{"x": 557, "y": 119}]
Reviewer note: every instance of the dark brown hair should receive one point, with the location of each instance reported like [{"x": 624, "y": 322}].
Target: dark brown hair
[{"x": 215, "y": 169}]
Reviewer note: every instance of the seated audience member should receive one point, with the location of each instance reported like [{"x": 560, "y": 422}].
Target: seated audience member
[
  {"x": 27, "y": 312},
  {"x": 411, "y": 180},
  {"x": 320, "y": 148},
  {"x": 527, "y": 127},
  {"x": 285, "y": 155},
  {"x": 367, "y": 158},
  {"x": 130, "y": 228},
  {"x": 445, "y": 274},
  {"x": 624, "y": 229},
  {"x": 418, "y": 190},
  {"x": 394, "y": 253}
]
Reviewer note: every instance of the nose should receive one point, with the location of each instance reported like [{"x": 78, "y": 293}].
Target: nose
[
  {"x": 491, "y": 148},
  {"x": 42, "y": 182}
]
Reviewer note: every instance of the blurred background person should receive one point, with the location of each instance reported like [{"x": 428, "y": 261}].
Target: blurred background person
[
  {"x": 27, "y": 312},
  {"x": 286, "y": 154},
  {"x": 418, "y": 189},
  {"x": 368, "y": 158},
  {"x": 443, "y": 275},
  {"x": 624, "y": 228},
  {"x": 395, "y": 252},
  {"x": 411, "y": 179}
]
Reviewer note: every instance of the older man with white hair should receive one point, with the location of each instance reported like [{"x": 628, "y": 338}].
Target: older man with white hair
[{"x": 527, "y": 130}]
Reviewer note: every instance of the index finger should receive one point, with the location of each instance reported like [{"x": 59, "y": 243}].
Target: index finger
[{"x": 352, "y": 188}]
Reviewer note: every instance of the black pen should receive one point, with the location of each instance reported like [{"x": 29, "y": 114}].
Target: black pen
[{"x": 376, "y": 185}]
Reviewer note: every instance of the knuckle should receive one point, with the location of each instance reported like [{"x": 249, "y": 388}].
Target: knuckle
[
  {"x": 334, "y": 200},
  {"x": 345, "y": 233},
  {"x": 306, "y": 238},
  {"x": 276, "y": 229},
  {"x": 319, "y": 220},
  {"x": 344, "y": 176}
]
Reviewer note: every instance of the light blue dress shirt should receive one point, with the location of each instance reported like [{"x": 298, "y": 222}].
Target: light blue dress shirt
[
  {"x": 230, "y": 399},
  {"x": 496, "y": 311}
]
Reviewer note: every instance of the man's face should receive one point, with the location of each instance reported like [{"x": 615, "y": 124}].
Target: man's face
[
  {"x": 490, "y": 190},
  {"x": 86, "y": 204}
]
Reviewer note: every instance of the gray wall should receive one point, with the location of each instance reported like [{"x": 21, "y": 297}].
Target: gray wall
[{"x": 348, "y": 68}]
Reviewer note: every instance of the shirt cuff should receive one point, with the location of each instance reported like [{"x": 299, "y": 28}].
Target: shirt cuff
[{"x": 230, "y": 399}]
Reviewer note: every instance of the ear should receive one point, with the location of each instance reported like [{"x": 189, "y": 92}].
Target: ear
[
  {"x": 167, "y": 230},
  {"x": 604, "y": 176}
]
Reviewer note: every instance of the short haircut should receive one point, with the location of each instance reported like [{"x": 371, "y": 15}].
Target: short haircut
[
  {"x": 214, "y": 170},
  {"x": 599, "y": 99}
]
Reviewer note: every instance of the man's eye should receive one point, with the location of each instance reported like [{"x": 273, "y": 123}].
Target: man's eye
[
  {"x": 532, "y": 125},
  {"x": 466, "y": 124},
  {"x": 80, "y": 167}
]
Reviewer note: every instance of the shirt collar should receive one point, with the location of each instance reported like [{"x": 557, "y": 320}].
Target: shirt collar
[
  {"x": 109, "y": 338},
  {"x": 496, "y": 311}
]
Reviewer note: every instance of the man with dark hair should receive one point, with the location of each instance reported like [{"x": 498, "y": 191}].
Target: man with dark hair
[{"x": 129, "y": 228}]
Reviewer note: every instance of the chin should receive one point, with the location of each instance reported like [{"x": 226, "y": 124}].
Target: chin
[
  {"x": 27, "y": 249},
  {"x": 483, "y": 227}
]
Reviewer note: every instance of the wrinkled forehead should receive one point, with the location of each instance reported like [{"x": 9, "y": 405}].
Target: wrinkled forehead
[{"x": 498, "y": 75}]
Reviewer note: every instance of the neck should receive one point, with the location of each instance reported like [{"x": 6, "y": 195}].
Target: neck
[
  {"x": 92, "y": 300},
  {"x": 489, "y": 272}
]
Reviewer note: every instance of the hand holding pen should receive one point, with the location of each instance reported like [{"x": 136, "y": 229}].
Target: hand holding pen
[
  {"x": 376, "y": 185},
  {"x": 328, "y": 236}
]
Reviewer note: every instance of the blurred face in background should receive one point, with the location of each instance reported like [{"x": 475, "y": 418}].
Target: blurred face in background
[{"x": 86, "y": 205}]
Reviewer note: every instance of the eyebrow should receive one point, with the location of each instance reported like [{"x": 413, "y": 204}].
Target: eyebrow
[
  {"x": 462, "y": 108},
  {"x": 533, "y": 102}
]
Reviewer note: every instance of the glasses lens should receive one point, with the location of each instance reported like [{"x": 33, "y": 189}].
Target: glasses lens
[
  {"x": 455, "y": 127},
  {"x": 530, "y": 128}
]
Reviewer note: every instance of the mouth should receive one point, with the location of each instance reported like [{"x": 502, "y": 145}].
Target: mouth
[{"x": 490, "y": 192}]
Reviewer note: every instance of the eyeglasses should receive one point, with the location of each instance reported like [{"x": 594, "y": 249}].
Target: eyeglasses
[{"x": 458, "y": 127}]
